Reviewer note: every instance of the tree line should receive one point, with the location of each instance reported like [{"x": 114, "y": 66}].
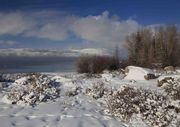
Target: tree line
[{"x": 148, "y": 46}]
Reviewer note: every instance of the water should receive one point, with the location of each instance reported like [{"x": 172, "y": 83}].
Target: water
[{"x": 36, "y": 64}]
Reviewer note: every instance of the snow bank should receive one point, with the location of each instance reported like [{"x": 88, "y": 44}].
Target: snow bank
[{"x": 137, "y": 73}]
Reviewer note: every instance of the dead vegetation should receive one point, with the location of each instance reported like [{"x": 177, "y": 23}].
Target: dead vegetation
[{"x": 96, "y": 64}]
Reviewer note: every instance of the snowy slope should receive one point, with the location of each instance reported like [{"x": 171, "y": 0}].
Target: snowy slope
[{"x": 92, "y": 51}]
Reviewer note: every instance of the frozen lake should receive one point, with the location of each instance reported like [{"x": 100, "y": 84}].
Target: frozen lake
[{"x": 36, "y": 64}]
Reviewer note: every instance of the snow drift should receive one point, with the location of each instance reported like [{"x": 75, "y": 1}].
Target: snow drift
[{"x": 138, "y": 73}]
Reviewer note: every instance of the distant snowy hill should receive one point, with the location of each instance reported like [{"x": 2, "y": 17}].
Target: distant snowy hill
[
  {"x": 87, "y": 51},
  {"x": 42, "y": 52},
  {"x": 28, "y": 52}
]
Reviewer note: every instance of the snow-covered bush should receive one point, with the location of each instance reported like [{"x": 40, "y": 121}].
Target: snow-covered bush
[
  {"x": 122, "y": 102},
  {"x": 98, "y": 91},
  {"x": 73, "y": 92},
  {"x": 173, "y": 89},
  {"x": 171, "y": 85},
  {"x": 164, "y": 80},
  {"x": 4, "y": 78},
  {"x": 152, "y": 107},
  {"x": 155, "y": 109},
  {"x": 33, "y": 89}
]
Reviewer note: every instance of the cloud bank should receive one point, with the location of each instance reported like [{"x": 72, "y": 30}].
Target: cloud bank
[{"x": 100, "y": 30}]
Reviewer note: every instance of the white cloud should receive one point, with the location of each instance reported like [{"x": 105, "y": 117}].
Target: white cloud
[
  {"x": 104, "y": 29},
  {"x": 57, "y": 29},
  {"x": 100, "y": 30},
  {"x": 50, "y": 31},
  {"x": 14, "y": 23}
]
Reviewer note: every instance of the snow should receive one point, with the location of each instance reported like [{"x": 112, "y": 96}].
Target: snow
[
  {"x": 137, "y": 73},
  {"x": 81, "y": 101},
  {"x": 73, "y": 111}
]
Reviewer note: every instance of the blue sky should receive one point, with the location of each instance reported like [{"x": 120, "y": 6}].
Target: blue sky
[{"x": 64, "y": 24}]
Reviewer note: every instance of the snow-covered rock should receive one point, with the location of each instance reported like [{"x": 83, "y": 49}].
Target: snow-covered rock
[
  {"x": 138, "y": 73},
  {"x": 169, "y": 69}
]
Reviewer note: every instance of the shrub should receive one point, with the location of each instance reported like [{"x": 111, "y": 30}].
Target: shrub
[
  {"x": 82, "y": 64},
  {"x": 152, "y": 107},
  {"x": 33, "y": 89},
  {"x": 73, "y": 92},
  {"x": 121, "y": 103},
  {"x": 5, "y": 79},
  {"x": 98, "y": 91},
  {"x": 171, "y": 86},
  {"x": 96, "y": 64}
]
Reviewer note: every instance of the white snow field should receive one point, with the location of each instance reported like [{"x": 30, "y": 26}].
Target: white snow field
[{"x": 79, "y": 101}]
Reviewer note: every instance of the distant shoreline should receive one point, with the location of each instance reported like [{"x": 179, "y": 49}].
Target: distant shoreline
[{"x": 37, "y": 64}]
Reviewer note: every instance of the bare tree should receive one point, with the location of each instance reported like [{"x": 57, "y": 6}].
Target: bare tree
[{"x": 161, "y": 46}]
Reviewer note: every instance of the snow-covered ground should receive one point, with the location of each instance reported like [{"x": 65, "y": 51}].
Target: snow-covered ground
[{"x": 80, "y": 102}]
